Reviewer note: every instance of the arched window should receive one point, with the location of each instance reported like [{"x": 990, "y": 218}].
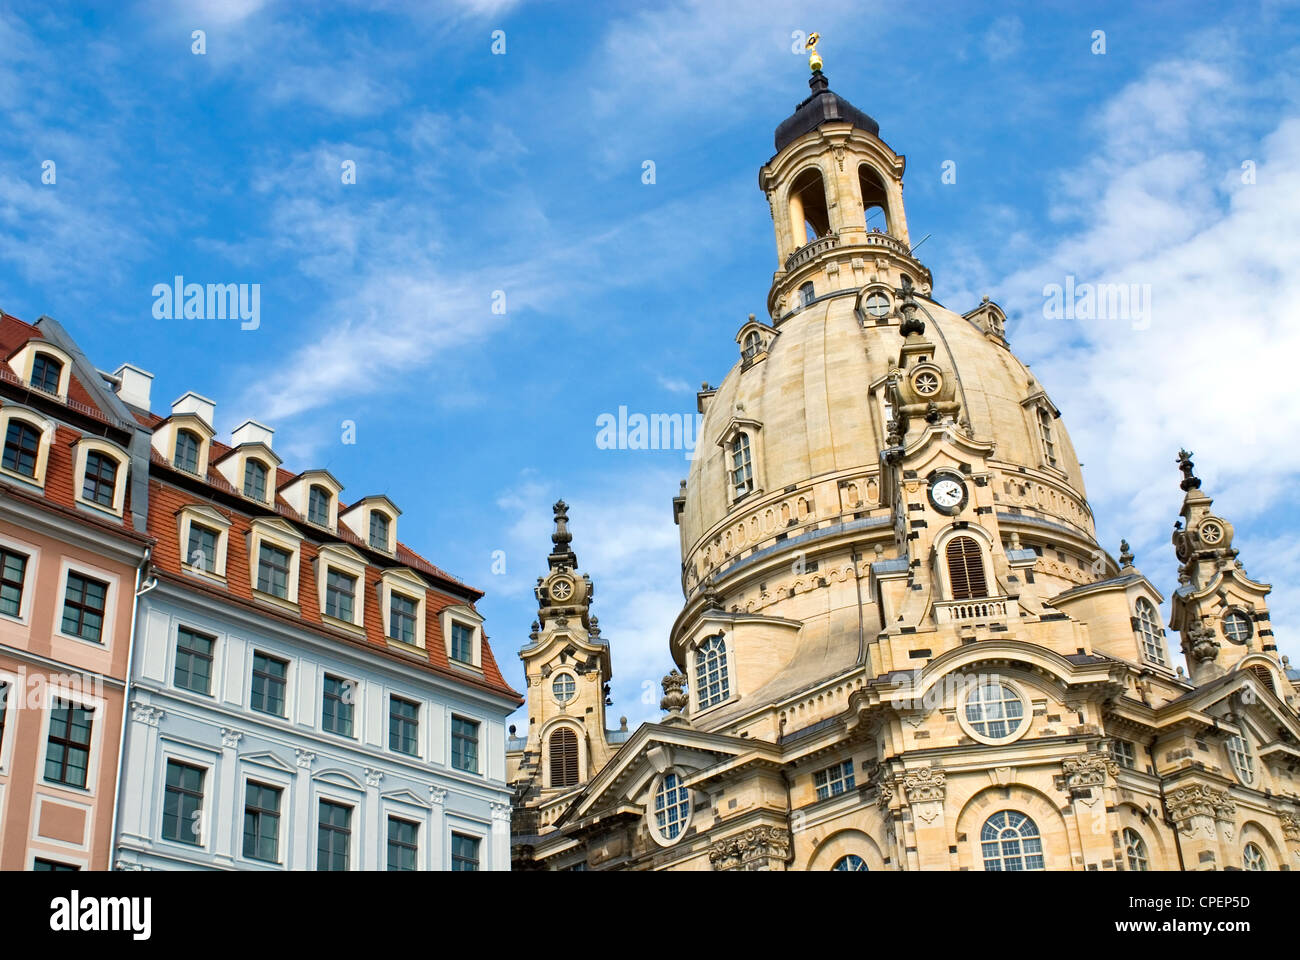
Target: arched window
[
  {"x": 1252, "y": 858},
  {"x": 672, "y": 806},
  {"x": 809, "y": 214},
  {"x": 807, "y": 294},
  {"x": 563, "y": 687},
  {"x": 1045, "y": 434},
  {"x": 318, "y": 505},
  {"x": 564, "y": 758},
  {"x": 1265, "y": 676},
  {"x": 850, "y": 862},
  {"x": 874, "y": 199},
  {"x": 742, "y": 466},
  {"x": 46, "y": 372},
  {"x": 753, "y": 344},
  {"x": 255, "y": 480},
  {"x": 1236, "y": 627},
  {"x": 100, "y": 481},
  {"x": 1149, "y": 631},
  {"x": 187, "y": 451},
  {"x": 1010, "y": 841},
  {"x": 877, "y": 305},
  {"x": 711, "y": 683},
  {"x": 1242, "y": 760},
  {"x": 22, "y": 446},
  {"x": 994, "y": 710},
  {"x": 966, "y": 569},
  {"x": 1135, "y": 849}
]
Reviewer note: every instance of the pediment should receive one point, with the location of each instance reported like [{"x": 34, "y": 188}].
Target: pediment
[
  {"x": 405, "y": 796},
  {"x": 338, "y": 778},
  {"x": 267, "y": 759}
]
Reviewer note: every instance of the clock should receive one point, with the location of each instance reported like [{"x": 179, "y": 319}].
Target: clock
[{"x": 948, "y": 494}]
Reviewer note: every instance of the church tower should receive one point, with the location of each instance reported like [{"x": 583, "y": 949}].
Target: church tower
[
  {"x": 901, "y": 646},
  {"x": 567, "y": 666}
]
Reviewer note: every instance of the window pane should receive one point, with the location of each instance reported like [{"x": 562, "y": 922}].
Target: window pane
[{"x": 193, "y": 661}]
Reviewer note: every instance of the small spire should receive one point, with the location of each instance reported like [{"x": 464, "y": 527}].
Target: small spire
[
  {"x": 1190, "y": 480},
  {"x": 561, "y": 537}
]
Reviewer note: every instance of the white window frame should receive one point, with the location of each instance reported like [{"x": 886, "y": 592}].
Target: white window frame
[
  {"x": 266, "y": 776},
  {"x": 83, "y": 449},
  {"x": 205, "y": 516},
  {"x": 24, "y": 360},
  {"x": 1241, "y": 758},
  {"x": 193, "y": 757},
  {"x": 346, "y": 560},
  {"x": 1026, "y": 715},
  {"x": 44, "y": 425},
  {"x": 408, "y": 583},
  {"x": 1150, "y": 633},
  {"x": 56, "y": 691},
  {"x": 68, "y": 566},
  {"x": 33, "y": 553},
  {"x": 651, "y": 813},
  {"x": 277, "y": 533},
  {"x": 693, "y": 682},
  {"x": 466, "y": 616}
]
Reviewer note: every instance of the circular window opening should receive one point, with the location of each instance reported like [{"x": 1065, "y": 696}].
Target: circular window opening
[
  {"x": 876, "y": 305},
  {"x": 672, "y": 807},
  {"x": 564, "y": 687},
  {"x": 926, "y": 383},
  {"x": 1211, "y": 532},
  {"x": 994, "y": 712},
  {"x": 851, "y": 862},
  {"x": 1237, "y": 627}
]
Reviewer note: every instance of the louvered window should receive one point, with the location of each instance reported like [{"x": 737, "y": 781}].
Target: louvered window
[
  {"x": 966, "y": 569},
  {"x": 564, "y": 758}
]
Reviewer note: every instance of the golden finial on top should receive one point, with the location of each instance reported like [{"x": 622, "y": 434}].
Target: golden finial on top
[{"x": 814, "y": 58}]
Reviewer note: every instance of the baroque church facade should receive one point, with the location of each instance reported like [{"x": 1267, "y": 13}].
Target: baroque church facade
[{"x": 901, "y": 646}]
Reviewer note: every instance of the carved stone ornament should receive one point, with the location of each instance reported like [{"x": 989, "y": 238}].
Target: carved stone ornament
[
  {"x": 305, "y": 758},
  {"x": 230, "y": 738},
  {"x": 758, "y": 848},
  {"x": 373, "y": 776},
  {"x": 924, "y": 785},
  {"x": 1291, "y": 827},
  {"x": 885, "y": 796},
  {"x": 1088, "y": 770},
  {"x": 1200, "y": 801},
  {"x": 143, "y": 713},
  {"x": 674, "y": 699},
  {"x": 1202, "y": 644}
]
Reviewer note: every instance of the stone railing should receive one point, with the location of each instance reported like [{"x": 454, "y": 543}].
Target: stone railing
[
  {"x": 809, "y": 250},
  {"x": 966, "y": 611}
]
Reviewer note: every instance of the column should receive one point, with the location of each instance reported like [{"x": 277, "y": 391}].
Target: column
[
  {"x": 300, "y": 826},
  {"x": 372, "y": 834},
  {"x": 224, "y": 795},
  {"x": 436, "y": 843},
  {"x": 500, "y": 853}
]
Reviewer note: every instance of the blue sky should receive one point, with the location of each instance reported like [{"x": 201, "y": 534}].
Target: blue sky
[{"x": 522, "y": 173}]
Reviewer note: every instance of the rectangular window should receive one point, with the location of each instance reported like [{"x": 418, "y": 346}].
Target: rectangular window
[
  {"x": 262, "y": 822},
  {"x": 378, "y": 530},
  {"x": 100, "y": 481},
  {"x": 462, "y": 643},
  {"x": 464, "y": 852},
  {"x": 22, "y": 448},
  {"x": 273, "y": 571},
  {"x": 52, "y": 865},
  {"x": 201, "y": 554},
  {"x": 183, "y": 804},
  {"x": 835, "y": 780},
  {"x": 401, "y": 618},
  {"x": 336, "y": 705},
  {"x": 403, "y": 844},
  {"x": 318, "y": 506},
  {"x": 340, "y": 594},
  {"x": 403, "y": 726},
  {"x": 1124, "y": 752},
  {"x": 13, "y": 572},
  {"x": 1045, "y": 432},
  {"x": 464, "y": 744},
  {"x": 67, "y": 752},
  {"x": 83, "y": 607},
  {"x": 255, "y": 481},
  {"x": 193, "y": 661},
  {"x": 334, "y": 836},
  {"x": 269, "y": 684}
]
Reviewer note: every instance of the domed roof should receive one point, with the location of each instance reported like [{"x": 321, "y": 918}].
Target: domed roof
[
  {"x": 809, "y": 395},
  {"x": 822, "y": 106}
]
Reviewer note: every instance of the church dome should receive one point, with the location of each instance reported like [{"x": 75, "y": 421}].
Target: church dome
[
  {"x": 814, "y": 408},
  {"x": 822, "y": 106}
]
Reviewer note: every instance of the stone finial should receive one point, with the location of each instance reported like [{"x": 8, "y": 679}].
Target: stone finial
[
  {"x": 907, "y": 295},
  {"x": 1125, "y": 554},
  {"x": 1190, "y": 480},
  {"x": 561, "y": 537},
  {"x": 622, "y": 724},
  {"x": 594, "y": 629},
  {"x": 512, "y": 729},
  {"x": 674, "y": 699}
]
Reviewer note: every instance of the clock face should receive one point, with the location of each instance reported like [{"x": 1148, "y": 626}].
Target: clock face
[{"x": 948, "y": 494}]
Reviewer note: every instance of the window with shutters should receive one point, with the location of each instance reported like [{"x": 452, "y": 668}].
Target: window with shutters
[
  {"x": 966, "y": 569},
  {"x": 564, "y": 758}
]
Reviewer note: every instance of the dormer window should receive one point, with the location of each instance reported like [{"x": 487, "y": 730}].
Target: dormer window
[
  {"x": 22, "y": 448},
  {"x": 462, "y": 642},
  {"x": 318, "y": 506},
  {"x": 274, "y": 555},
  {"x": 255, "y": 480},
  {"x": 462, "y": 631},
  {"x": 1149, "y": 631},
  {"x": 187, "y": 451},
  {"x": 273, "y": 565},
  {"x": 100, "y": 480},
  {"x": 742, "y": 466},
  {"x": 1045, "y": 434},
  {"x": 204, "y": 533},
  {"x": 46, "y": 373},
  {"x": 379, "y": 526},
  {"x": 401, "y": 618},
  {"x": 753, "y": 345}
]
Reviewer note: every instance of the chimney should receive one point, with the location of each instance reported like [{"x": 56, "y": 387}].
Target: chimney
[
  {"x": 250, "y": 431},
  {"x": 133, "y": 386},
  {"x": 198, "y": 405}
]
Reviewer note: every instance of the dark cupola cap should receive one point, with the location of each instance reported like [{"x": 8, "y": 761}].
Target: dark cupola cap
[{"x": 822, "y": 106}]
